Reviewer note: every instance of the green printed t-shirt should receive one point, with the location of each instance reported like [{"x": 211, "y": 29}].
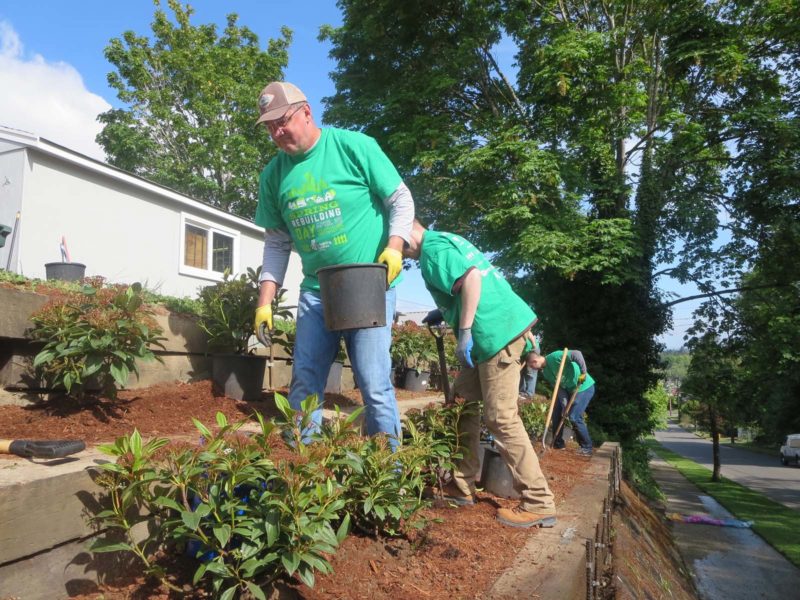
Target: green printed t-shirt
[
  {"x": 569, "y": 378},
  {"x": 330, "y": 201},
  {"x": 501, "y": 317}
]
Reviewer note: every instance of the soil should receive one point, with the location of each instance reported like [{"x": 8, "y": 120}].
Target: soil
[{"x": 459, "y": 554}]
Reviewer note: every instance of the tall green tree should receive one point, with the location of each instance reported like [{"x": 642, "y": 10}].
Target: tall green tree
[
  {"x": 189, "y": 97},
  {"x": 604, "y": 165},
  {"x": 711, "y": 385}
]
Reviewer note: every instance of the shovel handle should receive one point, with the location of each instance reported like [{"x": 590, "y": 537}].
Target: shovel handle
[
  {"x": 41, "y": 448},
  {"x": 438, "y": 333}
]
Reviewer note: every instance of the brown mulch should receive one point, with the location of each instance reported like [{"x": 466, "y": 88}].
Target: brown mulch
[{"x": 458, "y": 555}]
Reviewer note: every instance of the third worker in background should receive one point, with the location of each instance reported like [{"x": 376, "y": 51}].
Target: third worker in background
[{"x": 574, "y": 376}]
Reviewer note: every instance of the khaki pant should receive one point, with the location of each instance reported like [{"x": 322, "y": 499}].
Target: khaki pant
[{"x": 496, "y": 382}]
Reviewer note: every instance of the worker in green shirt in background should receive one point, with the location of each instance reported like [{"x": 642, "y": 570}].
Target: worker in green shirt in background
[
  {"x": 574, "y": 376},
  {"x": 493, "y": 325}
]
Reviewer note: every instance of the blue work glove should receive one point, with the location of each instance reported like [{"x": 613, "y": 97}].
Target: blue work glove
[
  {"x": 464, "y": 347},
  {"x": 433, "y": 318}
]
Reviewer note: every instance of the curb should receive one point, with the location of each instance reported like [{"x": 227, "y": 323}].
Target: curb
[{"x": 553, "y": 563}]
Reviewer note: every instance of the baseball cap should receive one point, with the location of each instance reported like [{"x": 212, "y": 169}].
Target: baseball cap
[{"x": 275, "y": 99}]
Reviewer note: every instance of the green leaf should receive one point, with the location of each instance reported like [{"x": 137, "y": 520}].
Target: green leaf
[
  {"x": 256, "y": 591},
  {"x": 222, "y": 420},
  {"x": 222, "y": 533},
  {"x": 271, "y": 528},
  {"x": 344, "y": 528},
  {"x": 229, "y": 593},
  {"x": 101, "y": 545},
  {"x": 206, "y": 433},
  {"x": 290, "y": 562},
  {"x": 191, "y": 519}
]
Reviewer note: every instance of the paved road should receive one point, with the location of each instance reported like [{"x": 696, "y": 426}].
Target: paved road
[
  {"x": 759, "y": 472},
  {"x": 727, "y": 563}
]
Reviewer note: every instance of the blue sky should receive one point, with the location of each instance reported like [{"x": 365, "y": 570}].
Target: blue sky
[{"x": 53, "y": 74}]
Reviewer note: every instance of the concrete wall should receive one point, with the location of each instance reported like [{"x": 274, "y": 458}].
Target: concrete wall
[{"x": 184, "y": 355}]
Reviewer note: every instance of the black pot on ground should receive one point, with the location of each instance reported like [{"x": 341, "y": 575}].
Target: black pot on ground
[
  {"x": 334, "y": 383},
  {"x": 416, "y": 381},
  {"x": 238, "y": 376},
  {"x": 65, "y": 271}
]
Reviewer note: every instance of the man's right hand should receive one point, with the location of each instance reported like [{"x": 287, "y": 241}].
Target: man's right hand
[
  {"x": 433, "y": 318},
  {"x": 263, "y": 323}
]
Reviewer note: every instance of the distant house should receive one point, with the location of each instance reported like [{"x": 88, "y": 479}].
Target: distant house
[
  {"x": 122, "y": 227},
  {"x": 415, "y": 316}
]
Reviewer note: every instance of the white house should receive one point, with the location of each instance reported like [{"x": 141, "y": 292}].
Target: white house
[{"x": 122, "y": 227}]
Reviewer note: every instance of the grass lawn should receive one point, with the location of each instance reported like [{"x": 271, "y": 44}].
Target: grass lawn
[
  {"x": 777, "y": 524},
  {"x": 773, "y": 451}
]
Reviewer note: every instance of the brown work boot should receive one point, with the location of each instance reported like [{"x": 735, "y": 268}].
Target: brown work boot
[
  {"x": 450, "y": 493},
  {"x": 519, "y": 517}
]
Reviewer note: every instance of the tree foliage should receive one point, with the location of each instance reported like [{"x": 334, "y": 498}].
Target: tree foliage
[
  {"x": 189, "y": 98},
  {"x": 634, "y": 134}
]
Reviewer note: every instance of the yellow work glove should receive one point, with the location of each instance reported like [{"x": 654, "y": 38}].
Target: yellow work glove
[
  {"x": 393, "y": 259},
  {"x": 581, "y": 378},
  {"x": 263, "y": 323}
]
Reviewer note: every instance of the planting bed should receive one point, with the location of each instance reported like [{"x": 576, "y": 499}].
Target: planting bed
[{"x": 458, "y": 555}]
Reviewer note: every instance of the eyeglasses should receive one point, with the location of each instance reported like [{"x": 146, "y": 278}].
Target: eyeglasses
[{"x": 276, "y": 124}]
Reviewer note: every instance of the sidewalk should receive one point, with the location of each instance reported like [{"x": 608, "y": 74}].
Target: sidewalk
[{"x": 726, "y": 562}]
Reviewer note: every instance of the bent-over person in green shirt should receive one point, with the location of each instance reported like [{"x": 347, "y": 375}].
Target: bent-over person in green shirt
[
  {"x": 493, "y": 326},
  {"x": 574, "y": 376}
]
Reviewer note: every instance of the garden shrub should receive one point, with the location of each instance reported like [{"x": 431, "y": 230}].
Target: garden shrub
[
  {"x": 248, "y": 519},
  {"x": 436, "y": 428},
  {"x": 252, "y": 515},
  {"x": 94, "y": 336},
  {"x": 533, "y": 415}
]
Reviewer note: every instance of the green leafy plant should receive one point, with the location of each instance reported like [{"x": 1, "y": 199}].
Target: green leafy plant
[
  {"x": 533, "y": 415},
  {"x": 226, "y": 312},
  {"x": 248, "y": 519},
  {"x": 413, "y": 347},
  {"x": 382, "y": 489},
  {"x": 284, "y": 335},
  {"x": 94, "y": 336},
  {"x": 436, "y": 428}
]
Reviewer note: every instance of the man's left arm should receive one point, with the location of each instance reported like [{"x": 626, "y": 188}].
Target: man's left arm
[
  {"x": 400, "y": 205},
  {"x": 577, "y": 357}
]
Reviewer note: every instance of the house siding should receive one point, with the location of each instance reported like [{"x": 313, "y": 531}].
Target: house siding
[{"x": 122, "y": 227}]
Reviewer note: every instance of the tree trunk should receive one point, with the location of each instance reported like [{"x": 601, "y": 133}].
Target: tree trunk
[{"x": 715, "y": 443}]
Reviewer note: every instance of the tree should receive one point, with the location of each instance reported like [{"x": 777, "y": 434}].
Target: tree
[
  {"x": 712, "y": 384},
  {"x": 610, "y": 156},
  {"x": 190, "y": 97}
]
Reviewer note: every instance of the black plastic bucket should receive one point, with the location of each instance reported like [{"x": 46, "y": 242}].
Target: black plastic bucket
[
  {"x": 353, "y": 295},
  {"x": 65, "y": 271}
]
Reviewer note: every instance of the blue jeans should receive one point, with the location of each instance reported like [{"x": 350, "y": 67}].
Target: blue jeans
[
  {"x": 575, "y": 415},
  {"x": 527, "y": 381},
  {"x": 368, "y": 349}
]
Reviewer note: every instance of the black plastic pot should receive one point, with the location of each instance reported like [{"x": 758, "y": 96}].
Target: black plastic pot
[
  {"x": 334, "y": 383},
  {"x": 65, "y": 271},
  {"x": 353, "y": 295},
  {"x": 416, "y": 381},
  {"x": 238, "y": 376},
  {"x": 496, "y": 477}
]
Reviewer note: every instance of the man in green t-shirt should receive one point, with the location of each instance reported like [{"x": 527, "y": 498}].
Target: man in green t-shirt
[
  {"x": 337, "y": 198},
  {"x": 574, "y": 376},
  {"x": 493, "y": 325}
]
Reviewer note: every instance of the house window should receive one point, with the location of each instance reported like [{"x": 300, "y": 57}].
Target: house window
[
  {"x": 196, "y": 247},
  {"x": 208, "y": 250}
]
